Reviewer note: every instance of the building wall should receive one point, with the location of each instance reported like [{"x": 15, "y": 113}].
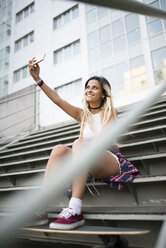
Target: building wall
[{"x": 128, "y": 49}]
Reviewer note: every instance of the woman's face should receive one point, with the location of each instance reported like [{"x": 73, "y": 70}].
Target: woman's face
[{"x": 93, "y": 92}]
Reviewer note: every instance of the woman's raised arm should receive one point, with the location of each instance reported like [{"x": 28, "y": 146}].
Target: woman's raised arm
[{"x": 73, "y": 111}]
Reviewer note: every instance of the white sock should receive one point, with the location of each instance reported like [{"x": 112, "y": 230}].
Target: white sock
[{"x": 75, "y": 204}]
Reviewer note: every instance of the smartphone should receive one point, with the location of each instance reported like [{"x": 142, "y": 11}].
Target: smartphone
[{"x": 38, "y": 60}]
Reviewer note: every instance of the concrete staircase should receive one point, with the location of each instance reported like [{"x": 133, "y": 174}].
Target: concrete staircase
[{"x": 141, "y": 204}]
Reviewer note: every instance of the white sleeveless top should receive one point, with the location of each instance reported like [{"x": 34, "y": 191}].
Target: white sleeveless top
[{"x": 88, "y": 133}]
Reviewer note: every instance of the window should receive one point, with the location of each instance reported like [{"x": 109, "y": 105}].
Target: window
[
  {"x": 20, "y": 74},
  {"x": 132, "y": 21},
  {"x": 121, "y": 71},
  {"x": 105, "y": 37},
  {"x": 94, "y": 54},
  {"x": 4, "y": 57},
  {"x": 58, "y": 56},
  {"x": 93, "y": 40},
  {"x": 154, "y": 27},
  {"x": 24, "y": 41},
  {"x": 25, "y": 12},
  {"x": 70, "y": 90},
  {"x": 133, "y": 36},
  {"x": 159, "y": 58},
  {"x": 117, "y": 27},
  {"x": 109, "y": 74},
  {"x": 17, "y": 75},
  {"x": 119, "y": 42},
  {"x": 159, "y": 64},
  {"x": 91, "y": 15},
  {"x": 102, "y": 11},
  {"x": 3, "y": 86},
  {"x": 76, "y": 48},
  {"x": 67, "y": 52},
  {"x": 75, "y": 12},
  {"x": 154, "y": 4},
  {"x": 138, "y": 73},
  {"x": 105, "y": 34},
  {"x": 66, "y": 17}
]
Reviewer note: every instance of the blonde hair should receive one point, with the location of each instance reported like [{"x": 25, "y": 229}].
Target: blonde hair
[{"x": 107, "y": 108}]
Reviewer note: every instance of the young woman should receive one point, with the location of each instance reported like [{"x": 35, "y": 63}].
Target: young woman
[{"x": 113, "y": 168}]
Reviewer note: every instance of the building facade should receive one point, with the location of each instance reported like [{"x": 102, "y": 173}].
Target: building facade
[{"x": 79, "y": 41}]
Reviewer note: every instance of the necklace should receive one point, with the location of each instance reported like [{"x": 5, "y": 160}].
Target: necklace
[{"x": 95, "y": 108}]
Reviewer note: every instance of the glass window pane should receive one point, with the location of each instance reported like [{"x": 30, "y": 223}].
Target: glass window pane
[
  {"x": 93, "y": 40},
  {"x": 105, "y": 34},
  {"x": 58, "y": 56},
  {"x": 106, "y": 48},
  {"x": 159, "y": 58},
  {"x": 32, "y": 8},
  {"x": 132, "y": 21},
  {"x": 78, "y": 87},
  {"x": 67, "y": 52},
  {"x": 90, "y": 7},
  {"x": 24, "y": 72},
  {"x": 102, "y": 11},
  {"x": 117, "y": 27},
  {"x": 25, "y": 41},
  {"x": 16, "y": 76},
  {"x": 109, "y": 74},
  {"x": 137, "y": 66},
  {"x": 26, "y": 12},
  {"x": 154, "y": 4},
  {"x": 66, "y": 17},
  {"x": 133, "y": 36},
  {"x": 76, "y": 48},
  {"x": 75, "y": 12},
  {"x": 119, "y": 42},
  {"x": 163, "y": 4},
  {"x": 57, "y": 22},
  {"x": 31, "y": 36},
  {"x": 122, "y": 71},
  {"x": 154, "y": 27},
  {"x": 91, "y": 15},
  {"x": 94, "y": 54}
]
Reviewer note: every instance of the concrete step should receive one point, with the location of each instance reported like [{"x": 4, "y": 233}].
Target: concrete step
[
  {"x": 149, "y": 123},
  {"x": 41, "y": 136},
  {"x": 57, "y": 128},
  {"x": 143, "y": 191},
  {"x": 144, "y": 134},
  {"x": 117, "y": 213},
  {"x": 129, "y": 149},
  {"x": 151, "y": 146},
  {"x": 50, "y": 138},
  {"x": 153, "y": 164}
]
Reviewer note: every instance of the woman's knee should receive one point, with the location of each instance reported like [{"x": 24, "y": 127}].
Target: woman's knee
[
  {"x": 59, "y": 150},
  {"x": 77, "y": 143}
]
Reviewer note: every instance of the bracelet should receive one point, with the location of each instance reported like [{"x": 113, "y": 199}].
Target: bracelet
[{"x": 40, "y": 83}]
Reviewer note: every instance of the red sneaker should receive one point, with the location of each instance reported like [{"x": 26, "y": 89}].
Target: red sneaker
[{"x": 67, "y": 220}]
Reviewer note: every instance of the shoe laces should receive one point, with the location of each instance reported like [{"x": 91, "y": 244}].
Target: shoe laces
[{"x": 67, "y": 212}]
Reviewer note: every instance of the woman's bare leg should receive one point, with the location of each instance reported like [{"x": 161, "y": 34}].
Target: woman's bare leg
[
  {"x": 56, "y": 154},
  {"x": 78, "y": 186}
]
